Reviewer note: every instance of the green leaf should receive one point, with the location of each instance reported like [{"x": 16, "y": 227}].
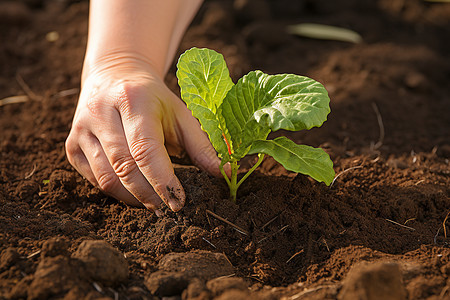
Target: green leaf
[
  {"x": 307, "y": 160},
  {"x": 204, "y": 80},
  {"x": 260, "y": 103}
]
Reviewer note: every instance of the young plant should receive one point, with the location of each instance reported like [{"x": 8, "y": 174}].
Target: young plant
[{"x": 239, "y": 117}]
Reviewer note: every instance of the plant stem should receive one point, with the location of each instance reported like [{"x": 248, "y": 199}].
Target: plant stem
[
  {"x": 260, "y": 159},
  {"x": 223, "y": 172},
  {"x": 233, "y": 180}
]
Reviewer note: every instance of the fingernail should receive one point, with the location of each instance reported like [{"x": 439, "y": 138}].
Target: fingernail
[
  {"x": 175, "y": 194},
  {"x": 159, "y": 213}
]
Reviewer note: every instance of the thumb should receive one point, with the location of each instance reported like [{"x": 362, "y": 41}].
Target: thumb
[{"x": 198, "y": 146}]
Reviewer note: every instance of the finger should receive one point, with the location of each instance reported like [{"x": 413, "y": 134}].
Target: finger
[
  {"x": 114, "y": 144},
  {"x": 79, "y": 161},
  {"x": 197, "y": 144},
  {"x": 107, "y": 179},
  {"x": 146, "y": 143}
]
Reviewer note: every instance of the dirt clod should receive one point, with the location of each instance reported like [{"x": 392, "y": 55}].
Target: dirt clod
[
  {"x": 62, "y": 179},
  {"x": 8, "y": 257},
  {"x": 235, "y": 295},
  {"x": 165, "y": 284},
  {"x": 196, "y": 290},
  {"x": 194, "y": 238},
  {"x": 53, "y": 276},
  {"x": 219, "y": 285},
  {"x": 55, "y": 246},
  {"x": 27, "y": 189},
  {"x": 102, "y": 261},
  {"x": 197, "y": 264},
  {"x": 381, "y": 280}
]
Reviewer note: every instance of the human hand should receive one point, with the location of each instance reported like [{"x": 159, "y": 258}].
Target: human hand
[{"x": 126, "y": 123}]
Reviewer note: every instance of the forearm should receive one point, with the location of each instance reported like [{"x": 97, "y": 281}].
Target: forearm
[{"x": 136, "y": 33}]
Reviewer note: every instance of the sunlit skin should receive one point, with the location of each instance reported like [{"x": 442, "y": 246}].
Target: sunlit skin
[{"x": 127, "y": 121}]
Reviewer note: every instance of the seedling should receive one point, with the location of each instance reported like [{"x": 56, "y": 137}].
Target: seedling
[{"x": 239, "y": 117}]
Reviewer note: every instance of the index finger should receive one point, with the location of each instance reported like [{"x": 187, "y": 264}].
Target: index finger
[{"x": 145, "y": 138}]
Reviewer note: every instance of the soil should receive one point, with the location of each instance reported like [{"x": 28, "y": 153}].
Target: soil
[{"x": 379, "y": 231}]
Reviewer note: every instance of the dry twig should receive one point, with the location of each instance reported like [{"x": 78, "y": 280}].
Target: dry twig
[
  {"x": 436, "y": 235},
  {"x": 68, "y": 92},
  {"x": 13, "y": 100},
  {"x": 380, "y": 125},
  {"x": 209, "y": 243},
  {"x": 312, "y": 290},
  {"x": 97, "y": 287},
  {"x": 31, "y": 173},
  {"x": 443, "y": 224},
  {"x": 270, "y": 221},
  {"x": 226, "y": 276},
  {"x": 229, "y": 261},
  {"x": 325, "y": 243},
  {"x": 345, "y": 171},
  {"x": 273, "y": 234},
  {"x": 404, "y": 226},
  {"x": 116, "y": 294},
  {"x": 33, "y": 254},
  {"x": 237, "y": 228},
  {"x": 255, "y": 277},
  {"x": 410, "y": 219},
  {"x": 443, "y": 292},
  {"x": 292, "y": 257},
  {"x": 26, "y": 88}
]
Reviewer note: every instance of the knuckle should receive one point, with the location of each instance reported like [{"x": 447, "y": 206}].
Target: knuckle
[
  {"x": 72, "y": 143},
  {"x": 143, "y": 149},
  {"x": 70, "y": 146},
  {"x": 95, "y": 107},
  {"x": 72, "y": 150},
  {"x": 126, "y": 92},
  {"x": 124, "y": 166},
  {"x": 107, "y": 182},
  {"x": 78, "y": 127}
]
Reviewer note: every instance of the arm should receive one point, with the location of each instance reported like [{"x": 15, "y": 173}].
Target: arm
[
  {"x": 126, "y": 119},
  {"x": 138, "y": 31}
]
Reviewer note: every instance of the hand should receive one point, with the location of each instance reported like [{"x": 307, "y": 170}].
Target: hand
[{"x": 126, "y": 123}]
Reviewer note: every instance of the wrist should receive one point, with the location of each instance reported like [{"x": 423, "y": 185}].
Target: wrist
[{"x": 118, "y": 63}]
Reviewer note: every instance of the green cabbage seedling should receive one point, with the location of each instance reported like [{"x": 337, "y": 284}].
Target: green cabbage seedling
[{"x": 239, "y": 117}]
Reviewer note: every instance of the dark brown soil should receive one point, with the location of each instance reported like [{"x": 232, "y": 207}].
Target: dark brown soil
[{"x": 382, "y": 222}]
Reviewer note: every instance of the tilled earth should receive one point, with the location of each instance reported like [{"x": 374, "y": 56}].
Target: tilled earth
[{"x": 379, "y": 231}]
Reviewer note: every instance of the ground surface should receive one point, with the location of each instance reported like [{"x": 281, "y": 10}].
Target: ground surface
[{"x": 377, "y": 232}]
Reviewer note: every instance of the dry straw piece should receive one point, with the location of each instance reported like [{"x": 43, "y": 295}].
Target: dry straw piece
[{"x": 325, "y": 32}]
